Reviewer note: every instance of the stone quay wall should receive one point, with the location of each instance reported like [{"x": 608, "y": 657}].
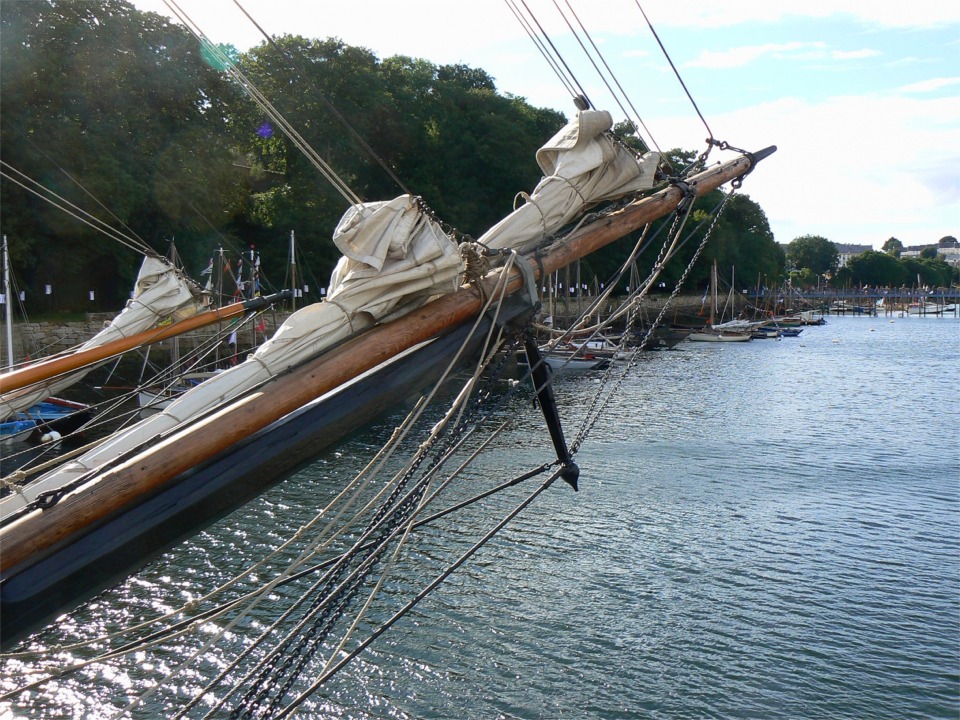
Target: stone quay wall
[{"x": 35, "y": 340}]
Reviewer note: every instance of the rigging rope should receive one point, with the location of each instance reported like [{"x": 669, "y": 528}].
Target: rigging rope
[
  {"x": 318, "y": 162},
  {"x": 554, "y": 65},
  {"x": 614, "y": 78},
  {"x": 675, "y": 71},
  {"x": 336, "y": 113},
  {"x": 600, "y": 402},
  {"x": 701, "y": 160},
  {"x": 396, "y": 515},
  {"x": 393, "y": 512},
  {"x": 318, "y": 683},
  {"x": 502, "y": 285},
  {"x": 589, "y": 57},
  {"x": 96, "y": 223},
  {"x": 577, "y": 89},
  {"x": 80, "y": 185}
]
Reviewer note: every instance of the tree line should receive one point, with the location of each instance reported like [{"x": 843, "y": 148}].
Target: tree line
[
  {"x": 122, "y": 114},
  {"x": 814, "y": 261}
]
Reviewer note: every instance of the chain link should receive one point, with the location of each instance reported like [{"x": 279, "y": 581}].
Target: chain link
[
  {"x": 593, "y": 415},
  {"x": 339, "y": 590}
]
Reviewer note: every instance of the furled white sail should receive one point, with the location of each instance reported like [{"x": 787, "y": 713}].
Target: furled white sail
[
  {"x": 582, "y": 166},
  {"x": 395, "y": 259},
  {"x": 160, "y": 293}
]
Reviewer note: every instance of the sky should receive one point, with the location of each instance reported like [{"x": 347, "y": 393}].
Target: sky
[{"x": 861, "y": 97}]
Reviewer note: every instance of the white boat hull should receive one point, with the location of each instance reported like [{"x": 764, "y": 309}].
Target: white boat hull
[{"x": 718, "y": 337}]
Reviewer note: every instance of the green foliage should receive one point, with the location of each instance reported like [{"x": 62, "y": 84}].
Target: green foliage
[
  {"x": 880, "y": 269},
  {"x": 805, "y": 278},
  {"x": 876, "y": 269},
  {"x": 932, "y": 272},
  {"x": 127, "y": 104},
  {"x": 443, "y": 132},
  {"x": 892, "y": 246},
  {"x": 102, "y": 100},
  {"x": 813, "y": 252}
]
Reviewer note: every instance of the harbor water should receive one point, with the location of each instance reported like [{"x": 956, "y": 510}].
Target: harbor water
[{"x": 762, "y": 530}]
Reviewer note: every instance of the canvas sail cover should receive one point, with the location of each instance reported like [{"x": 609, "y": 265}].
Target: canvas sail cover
[
  {"x": 160, "y": 293},
  {"x": 582, "y": 166},
  {"x": 395, "y": 259}
]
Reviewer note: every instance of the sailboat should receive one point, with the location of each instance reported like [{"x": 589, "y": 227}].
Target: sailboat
[
  {"x": 400, "y": 313},
  {"x": 407, "y": 308},
  {"x": 41, "y": 418},
  {"x": 164, "y": 304},
  {"x": 728, "y": 332}
]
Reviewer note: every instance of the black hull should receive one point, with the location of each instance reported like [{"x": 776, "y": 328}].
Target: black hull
[
  {"x": 662, "y": 338},
  {"x": 69, "y": 425},
  {"x": 35, "y": 591}
]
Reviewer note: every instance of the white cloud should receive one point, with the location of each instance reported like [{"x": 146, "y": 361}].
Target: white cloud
[
  {"x": 853, "y": 54},
  {"x": 744, "y": 55},
  {"x": 855, "y": 169},
  {"x": 740, "y": 56},
  {"x": 931, "y": 85},
  {"x": 881, "y": 13}
]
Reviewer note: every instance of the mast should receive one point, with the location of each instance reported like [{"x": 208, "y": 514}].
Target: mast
[
  {"x": 172, "y": 257},
  {"x": 37, "y": 372},
  {"x": 185, "y": 448},
  {"x": 713, "y": 293},
  {"x": 733, "y": 294},
  {"x": 8, "y": 309},
  {"x": 293, "y": 273}
]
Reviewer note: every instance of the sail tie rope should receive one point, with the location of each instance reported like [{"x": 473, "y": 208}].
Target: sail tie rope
[
  {"x": 14, "y": 481},
  {"x": 476, "y": 262}
]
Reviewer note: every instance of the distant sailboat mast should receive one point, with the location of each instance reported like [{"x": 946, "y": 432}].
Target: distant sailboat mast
[
  {"x": 713, "y": 293},
  {"x": 8, "y": 303},
  {"x": 293, "y": 272}
]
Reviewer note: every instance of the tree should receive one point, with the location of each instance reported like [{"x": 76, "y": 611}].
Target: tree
[
  {"x": 893, "y": 247},
  {"x": 101, "y": 101},
  {"x": 813, "y": 252},
  {"x": 128, "y": 104},
  {"x": 932, "y": 272},
  {"x": 877, "y": 269},
  {"x": 443, "y": 132}
]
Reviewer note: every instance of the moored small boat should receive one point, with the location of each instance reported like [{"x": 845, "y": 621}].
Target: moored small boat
[
  {"x": 53, "y": 415},
  {"x": 712, "y": 335}
]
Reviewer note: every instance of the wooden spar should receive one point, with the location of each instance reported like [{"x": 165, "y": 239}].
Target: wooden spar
[
  {"x": 46, "y": 369},
  {"x": 183, "y": 449}
]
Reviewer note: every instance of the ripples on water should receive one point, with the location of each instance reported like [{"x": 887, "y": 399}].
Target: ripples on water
[{"x": 763, "y": 530}]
